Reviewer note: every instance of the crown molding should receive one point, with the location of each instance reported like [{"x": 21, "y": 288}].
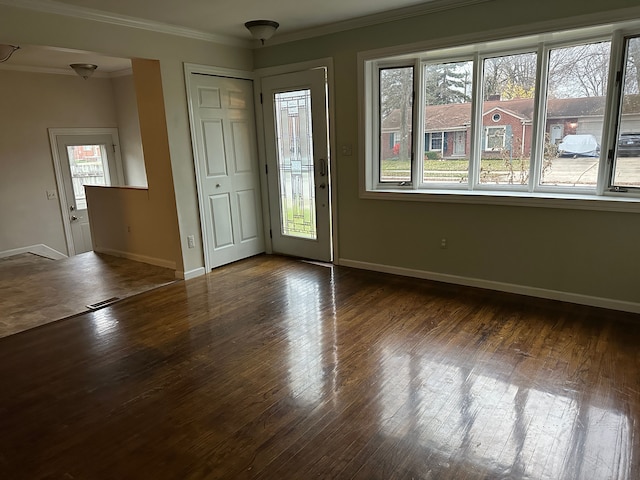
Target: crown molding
[
  {"x": 374, "y": 19},
  {"x": 58, "y": 8}
]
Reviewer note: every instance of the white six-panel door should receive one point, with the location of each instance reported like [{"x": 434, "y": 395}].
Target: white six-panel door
[{"x": 227, "y": 168}]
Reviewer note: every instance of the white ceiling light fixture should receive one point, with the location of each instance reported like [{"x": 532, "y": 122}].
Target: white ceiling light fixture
[
  {"x": 85, "y": 70},
  {"x": 6, "y": 51},
  {"x": 262, "y": 29}
]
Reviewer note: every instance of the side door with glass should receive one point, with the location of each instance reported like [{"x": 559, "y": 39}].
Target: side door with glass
[{"x": 84, "y": 160}]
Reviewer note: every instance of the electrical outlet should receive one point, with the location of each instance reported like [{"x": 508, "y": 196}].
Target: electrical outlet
[
  {"x": 191, "y": 241},
  {"x": 443, "y": 243},
  {"x": 52, "y": 195}
]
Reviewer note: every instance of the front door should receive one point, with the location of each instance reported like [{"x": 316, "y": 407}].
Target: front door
[
  {"x": 296, "y": 139},
  {"x": 227, "y": 167},
  {"x": 83, "y": 160},
  {"x": 459, "y": 143}
]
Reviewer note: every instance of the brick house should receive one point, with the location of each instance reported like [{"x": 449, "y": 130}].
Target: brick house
[{"x": 507, "y": 125}]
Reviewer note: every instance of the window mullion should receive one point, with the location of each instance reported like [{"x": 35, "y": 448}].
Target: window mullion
[
  {"x": 418, "y": 124},
  {"x": 475, "y": 148},
  {"x": 539, "y": 118},
  {"x": 612, "y": 118}
]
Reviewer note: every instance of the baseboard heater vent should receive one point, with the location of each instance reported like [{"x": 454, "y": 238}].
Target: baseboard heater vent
[{"x": 103, "y": 303}]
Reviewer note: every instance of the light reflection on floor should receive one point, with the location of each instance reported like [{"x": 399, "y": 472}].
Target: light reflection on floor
[
  {"x": 463, "y": 415},
  {"x": 305, "y": 335},
  {"x": 104, "y": 325}
]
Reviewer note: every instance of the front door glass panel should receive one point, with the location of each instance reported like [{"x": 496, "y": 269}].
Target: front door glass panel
[{"x": 295, "y": 164}]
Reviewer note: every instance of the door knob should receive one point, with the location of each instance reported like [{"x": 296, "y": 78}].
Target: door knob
[
  {"x": 73, "y": 218},
  {"x": 72, "y": 208},
  {"x": 322, "y": 185}
]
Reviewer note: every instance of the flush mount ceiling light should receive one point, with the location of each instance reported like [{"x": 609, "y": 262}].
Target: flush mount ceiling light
[
  {"x": 262, "y": 29},
  {"x": 6, "y": 51},
  {"x": 85, "y": 70}
]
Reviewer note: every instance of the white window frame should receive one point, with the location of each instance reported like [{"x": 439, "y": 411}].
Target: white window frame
[
  {"x": 485, "y": 137},
  {"x": 533, "y": 194},
  {"x": 431, "y": 140}
]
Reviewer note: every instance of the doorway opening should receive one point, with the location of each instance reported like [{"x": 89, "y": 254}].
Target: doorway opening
[{"x": 83, "y": 157}]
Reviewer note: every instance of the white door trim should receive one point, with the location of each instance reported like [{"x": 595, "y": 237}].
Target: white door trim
[
  {"x": 262, "y": 151},
  {"x": 54, "y": 133}
]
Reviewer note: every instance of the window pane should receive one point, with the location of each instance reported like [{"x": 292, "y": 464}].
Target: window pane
[
  {"x": 576, "y": 93},
  {"x": 88, "y": 167},
  {"x": 507, "y": 119},
  {"x": 396, "y": 96},
  {"x": 447, "y": 122},
  {"x": 627, "y": 165}
]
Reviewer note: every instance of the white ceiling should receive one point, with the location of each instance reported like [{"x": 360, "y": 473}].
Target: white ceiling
[
  {"x": 218, "y": 20},
  {"x": 227, "y": 17},
  {"x": 57, "y": 60}
]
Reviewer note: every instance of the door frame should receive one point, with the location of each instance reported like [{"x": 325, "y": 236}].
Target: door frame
[
  {"x": 262, "y": 150},
  {"x": 193, "y": 68},
  {"x": 54, "y": 133}
]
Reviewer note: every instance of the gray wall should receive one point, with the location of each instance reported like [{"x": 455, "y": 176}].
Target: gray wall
[{"x": 592, "y": 253}]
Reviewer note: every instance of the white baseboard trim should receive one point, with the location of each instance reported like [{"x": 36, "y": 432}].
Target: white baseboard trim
[
  {"x": 40, "y": 249},
  {"x": 159, "y": 262},
  {"x": 498, "y": 286},
  {"x": 196, "y": 272}
]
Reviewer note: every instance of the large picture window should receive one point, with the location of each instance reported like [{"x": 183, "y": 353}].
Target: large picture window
[{"x": 536, "y": 117}]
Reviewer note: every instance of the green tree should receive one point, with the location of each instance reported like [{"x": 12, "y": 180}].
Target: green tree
[{"x": 447, "y": 83}]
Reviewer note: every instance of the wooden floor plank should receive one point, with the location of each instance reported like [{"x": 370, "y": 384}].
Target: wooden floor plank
[{"x": 273, "y": 368}]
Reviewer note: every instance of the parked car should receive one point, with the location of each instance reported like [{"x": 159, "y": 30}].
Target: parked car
[
  {"x": 629, "y": 145},
  {"x": 584, "y": 145}
]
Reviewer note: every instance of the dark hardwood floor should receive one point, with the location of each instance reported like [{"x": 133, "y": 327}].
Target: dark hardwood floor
[{"x": 273, "y": 368}]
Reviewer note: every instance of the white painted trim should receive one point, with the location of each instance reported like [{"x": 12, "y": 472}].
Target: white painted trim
[
  {"x": 188, "y": 275},
  {"x": 40, "y": 249},
  {"x": 293, "y": 67},
  {"x": 62, "y": 197},
  {"x": 569, "y": 297},
  {"x": 605, "y": 203},
  {"x": 190, "y": 68},
  {"x": 59, "y": 8},
  {"x": 159, "y": 262}
]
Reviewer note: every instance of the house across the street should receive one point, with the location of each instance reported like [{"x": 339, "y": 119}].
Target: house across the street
[{"x": 507, "y": 125}]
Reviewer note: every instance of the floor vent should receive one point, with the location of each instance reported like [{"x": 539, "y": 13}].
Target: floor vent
[{"x": 103, "y": 303}]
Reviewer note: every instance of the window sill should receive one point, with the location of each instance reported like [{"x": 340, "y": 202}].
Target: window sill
[{"x": 610, "y": 202}]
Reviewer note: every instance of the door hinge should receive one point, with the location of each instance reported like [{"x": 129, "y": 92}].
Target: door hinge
[
  {"x": 260, "y": 98},
  {"x": 610, "y": 155},
  {"x": 114, "y": 147},
  {"x": 266, "y": 169},
  {"x": 270, "y": 233}
]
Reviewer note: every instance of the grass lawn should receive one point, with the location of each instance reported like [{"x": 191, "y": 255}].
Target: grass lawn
[{"x": 452, "y": 169}]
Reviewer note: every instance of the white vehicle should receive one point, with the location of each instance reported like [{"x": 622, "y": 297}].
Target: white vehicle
[{"x": 579, "y": 146}]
